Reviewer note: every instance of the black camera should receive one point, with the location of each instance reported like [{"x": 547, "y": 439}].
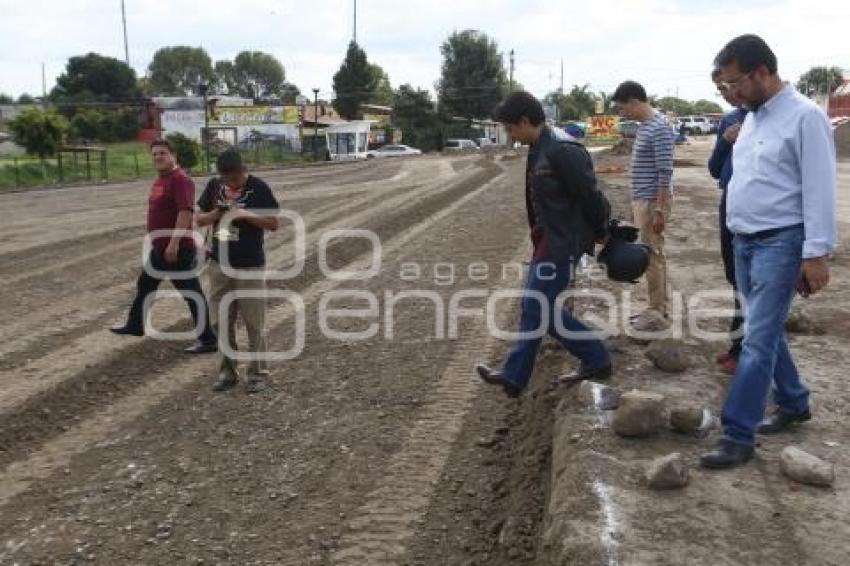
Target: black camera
[{"x": 222, "y": 206}]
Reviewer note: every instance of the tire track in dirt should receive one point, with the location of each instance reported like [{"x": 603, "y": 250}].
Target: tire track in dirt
[
  {"x": 56, "y": 452},
  {"x": 382, "y": 527},
  {"x": 88, "y": 348},
  {"x": 32, "y": 412},
  {"x": 86, "y": 306}
]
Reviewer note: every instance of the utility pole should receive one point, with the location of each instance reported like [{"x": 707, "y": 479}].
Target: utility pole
[
  {"x": 315, "y": 121},
  {"x": 562, "y": 75},
  {"x": 355, "y": 21},
  {"x": 43, "y": 88},
  {"x": 124, "y": 22},
  {"x": 511, "y": 80}
]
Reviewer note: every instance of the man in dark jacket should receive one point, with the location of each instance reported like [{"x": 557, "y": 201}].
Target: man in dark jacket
[
  {"x": 720, "y": 167},
  {"x": 565, "y": 219}
]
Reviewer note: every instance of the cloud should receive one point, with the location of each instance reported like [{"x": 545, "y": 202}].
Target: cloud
[{"x": 667, "y": 44}]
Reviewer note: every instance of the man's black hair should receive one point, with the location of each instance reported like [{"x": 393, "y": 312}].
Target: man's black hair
[
  {"x": 518, "y": 105},
  {"x": 629, "y": 90},
  {"x": 749, "y": 52},
  {"x": 162, "y": 142},
  {"x": 229, "y": 161}
]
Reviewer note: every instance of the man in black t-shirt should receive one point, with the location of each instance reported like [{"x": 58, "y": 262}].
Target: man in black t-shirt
[{"x": 240, "y": 208}]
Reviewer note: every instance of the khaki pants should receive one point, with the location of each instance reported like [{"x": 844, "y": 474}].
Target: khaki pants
[
  {"x": 656, "y": 275},
  {"x": 252, "y": 311}
]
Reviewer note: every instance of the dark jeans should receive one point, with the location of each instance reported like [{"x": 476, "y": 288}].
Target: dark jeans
[
  {"x": 767, "y": 266},
  {"x": 148, "y": 284},
  {"x": 550, "y": 280},
  {"x": 728, "y": 254}
]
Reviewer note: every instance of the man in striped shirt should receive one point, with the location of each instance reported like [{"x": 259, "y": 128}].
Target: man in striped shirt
[{"x": 652, "y": 170}]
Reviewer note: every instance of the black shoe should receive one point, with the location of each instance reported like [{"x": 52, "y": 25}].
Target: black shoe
[
  {"x": 727, "y": 455},
  {"x": 255, "y": 384},
  {"x": 127, "y": 330},
  {"x": 224, "y": 382},
  {"x": 583, "y": 373},
  {"x": 782, "y": 420},
  {"x": 202, "y": 348},
  {"x": 495, "y": 377}
]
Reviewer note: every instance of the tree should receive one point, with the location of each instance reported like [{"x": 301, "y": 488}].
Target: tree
[
  {"x": 413, "y": 108},
  {"x": 415, "y": 113},
  {"x": 675, "y": 105},
  {"x": 39, "y": 132},
  {"x": 578, "y": 104},
  {"x": 383, "y": 90},
  {"x": 177, "y": 71},
  {"x": 224, "y": 78},
  {"x": 6, "y": 99},
  {"x": 354, "y": 83},
  {"x": 707, "y": 107},
  {"x": 820, "y": 80},
  {"x": 95, "y": 78},
  {"x": 26, "y": 99},
  {"x": 288, "y": 92},
  {"x": 186, "y": 150},
  {"x": 473, "y": 79},
  {"x": 258, "y": 75}
]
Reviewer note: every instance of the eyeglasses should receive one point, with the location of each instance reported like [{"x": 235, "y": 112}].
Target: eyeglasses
[{"x": 728, "y": 86}]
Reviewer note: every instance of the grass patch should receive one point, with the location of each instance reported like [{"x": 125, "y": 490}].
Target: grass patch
[{"x": 124, "y": 162}]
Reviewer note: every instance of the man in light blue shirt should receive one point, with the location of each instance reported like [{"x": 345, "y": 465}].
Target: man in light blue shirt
[{"x": 781, "y": 208}]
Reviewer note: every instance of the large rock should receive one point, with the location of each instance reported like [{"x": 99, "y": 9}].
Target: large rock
[
  {"x": 598, "y": 396},
  {"x": 668, "y": 355},
  {"x": 667, "y": 472},
  {"x": 804, "y": 468},
  {"x": 640, "y": 413},
  {"x": 688, "y": 419}
]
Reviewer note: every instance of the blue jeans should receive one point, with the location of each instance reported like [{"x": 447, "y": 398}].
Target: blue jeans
[
  {"x": 766, "y": 267},
  {"x": 549, "y": 279}
]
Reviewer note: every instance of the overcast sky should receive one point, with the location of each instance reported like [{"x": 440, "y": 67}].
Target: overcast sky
[{"x": 668, "y": 45}]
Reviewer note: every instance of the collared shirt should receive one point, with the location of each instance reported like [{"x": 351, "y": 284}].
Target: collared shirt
[
  {"x": 785, "y": 172},
  {"x": 652, "y": 157},
  {"x": 720, "y": 162}
]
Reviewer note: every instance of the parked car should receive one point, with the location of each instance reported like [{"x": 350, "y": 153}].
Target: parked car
[
  {"x": 694, "y": 125},
  {"x": 460, "y": 145},
  {"x": 393, "y": 150}
]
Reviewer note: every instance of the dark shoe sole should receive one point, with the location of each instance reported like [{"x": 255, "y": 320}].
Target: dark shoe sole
[
  {"x": 127, "y": 332},
  {"x": 710, "y": 465},
  {"x": 252, "y": 387},
  {"x": 206, "y": 349},
  {"x": 225, "y": 384},
  {"x": 776, "y": 429}
]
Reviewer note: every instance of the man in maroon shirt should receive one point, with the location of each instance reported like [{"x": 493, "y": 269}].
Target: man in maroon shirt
[{"x": 170, "y": 208}]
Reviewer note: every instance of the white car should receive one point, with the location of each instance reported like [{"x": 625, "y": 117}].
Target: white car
[
  {"x": 460, "y": 145},
  {"x": 694, "y": 125},
  {"x": 394, "y": 150}
]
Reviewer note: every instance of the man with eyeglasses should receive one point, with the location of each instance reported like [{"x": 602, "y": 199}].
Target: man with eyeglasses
[
  {"x": 781, "y": 208},
  {"x": 720, "y": 167}
]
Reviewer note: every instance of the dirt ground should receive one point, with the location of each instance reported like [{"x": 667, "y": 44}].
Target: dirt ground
[{"x": 383, "y": 450}]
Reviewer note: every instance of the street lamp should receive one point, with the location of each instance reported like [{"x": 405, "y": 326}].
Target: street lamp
[
  {"x": 203, "y": 89},
  {"x": 315, "y": 120}
]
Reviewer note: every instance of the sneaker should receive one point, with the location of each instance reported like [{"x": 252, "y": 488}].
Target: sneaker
[{"x": 255, "y": 384}]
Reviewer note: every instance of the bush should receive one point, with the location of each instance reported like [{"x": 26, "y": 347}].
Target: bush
[
  {"x": 106, "y": 126},
  {"x": 40, "y": 132},
  {"x": 187, "y": 150}
]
